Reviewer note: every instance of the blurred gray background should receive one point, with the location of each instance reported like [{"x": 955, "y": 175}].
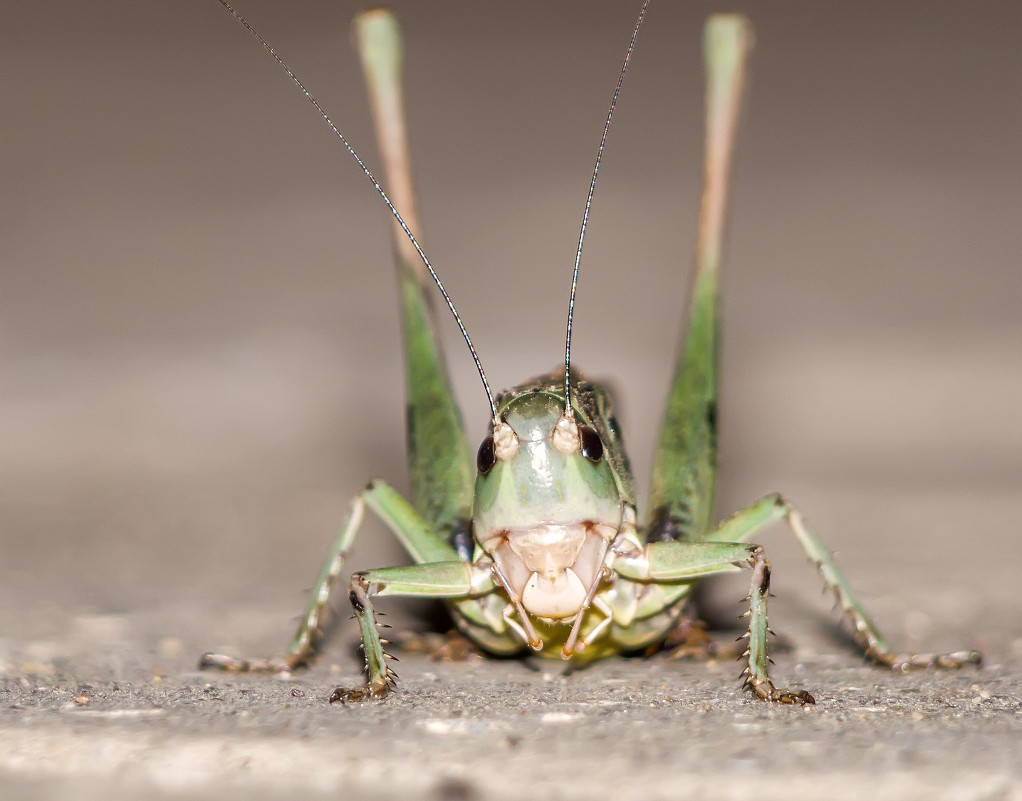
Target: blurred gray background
[{"x": 199, "y": 362}]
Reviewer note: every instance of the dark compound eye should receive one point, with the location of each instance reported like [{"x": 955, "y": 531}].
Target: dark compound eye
[
  {"x": 591, "y": 446},
  {"x": 486, "y": 458}
]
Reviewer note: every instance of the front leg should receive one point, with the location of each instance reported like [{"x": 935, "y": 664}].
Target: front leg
[
  {"x": 756, "y": 677},
  {"x": 671, "y": 562},
  {"x": 380, "y": 678},
  {"x": 450, "y": 580}
]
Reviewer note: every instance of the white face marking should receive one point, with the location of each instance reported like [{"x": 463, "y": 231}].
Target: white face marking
[
  {"x": 539, "y": 460},
  {"x": 565, "y": 436},
  {"x": 505, "y": 442}
]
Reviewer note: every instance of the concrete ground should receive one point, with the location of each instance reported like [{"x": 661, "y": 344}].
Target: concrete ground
[
  {"x": 113, "y": 708},
  {"x": 199, "y": 367}
]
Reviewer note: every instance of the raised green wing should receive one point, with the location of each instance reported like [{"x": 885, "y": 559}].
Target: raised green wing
[
  {"x": 439, "y": 458},
  {"x": 685, "y": 464}
]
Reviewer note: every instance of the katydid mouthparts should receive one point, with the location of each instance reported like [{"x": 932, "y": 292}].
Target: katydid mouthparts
[{"x": 536, "y": 544}]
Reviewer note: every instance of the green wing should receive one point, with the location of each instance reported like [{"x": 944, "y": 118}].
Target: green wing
[
  {"x": 439, "y": 458},
  {"x": 685, "y": 464}
]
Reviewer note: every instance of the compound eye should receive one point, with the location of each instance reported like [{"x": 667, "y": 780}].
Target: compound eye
[
  {"x": 590, "y": 444},
  {"x": 487, "y": 457}
]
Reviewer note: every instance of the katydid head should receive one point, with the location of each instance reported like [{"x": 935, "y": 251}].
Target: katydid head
[{"x": 546, "y": 504}]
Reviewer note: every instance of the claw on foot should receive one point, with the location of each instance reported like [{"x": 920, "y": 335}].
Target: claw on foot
[
  {"x": 785, "y": 697},
  {"x": 370, "y": 692},
  {"x": 765, "y": 691}
]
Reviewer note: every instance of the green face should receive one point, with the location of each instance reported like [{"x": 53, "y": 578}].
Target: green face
[{"x": 540, "y": 485}]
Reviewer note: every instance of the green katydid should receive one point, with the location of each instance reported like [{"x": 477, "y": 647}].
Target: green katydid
[{"x": 542, "y": 548}]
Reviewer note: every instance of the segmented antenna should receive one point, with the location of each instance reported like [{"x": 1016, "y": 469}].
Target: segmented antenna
[
  {"x": 382, "y": 194},
  {"x": 585, "y": 215}
]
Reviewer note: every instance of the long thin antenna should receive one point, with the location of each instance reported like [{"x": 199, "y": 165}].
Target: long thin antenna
[
  {"x": 585, "y": 216},
  {"x": 382, "y": 194}
]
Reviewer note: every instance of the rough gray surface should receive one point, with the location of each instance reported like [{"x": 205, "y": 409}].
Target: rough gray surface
[
  {"x": 131, "y": 723},
  {"x": 198, "y": 367}
]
